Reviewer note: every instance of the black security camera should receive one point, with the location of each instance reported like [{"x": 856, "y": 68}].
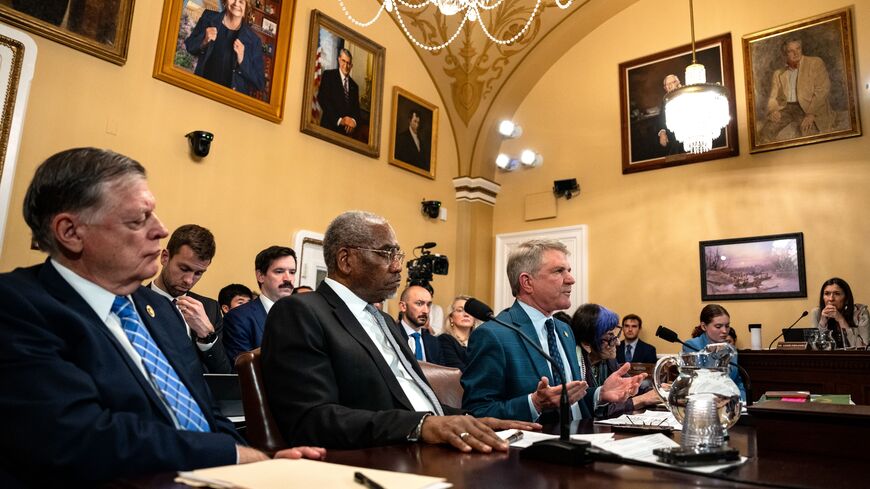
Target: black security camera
[
  {"x": 432, "y": 208},
  {"x": 200, "y": 142},
  {"x": 566, "y": 188}
]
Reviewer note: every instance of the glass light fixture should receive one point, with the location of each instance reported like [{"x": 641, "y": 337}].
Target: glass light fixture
[
  {"x": 470, "y": 11},
  {"x": 509, "y": 129},
  {"x": 505, "y": 162},
  {"x": 697, "y": 111},
  {"x": 531, "y": 158}
]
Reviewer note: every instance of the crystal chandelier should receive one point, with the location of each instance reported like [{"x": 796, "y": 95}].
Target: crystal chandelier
[
  {"x": 470, "y": 11},
  {"x": 697, "y": 111}
]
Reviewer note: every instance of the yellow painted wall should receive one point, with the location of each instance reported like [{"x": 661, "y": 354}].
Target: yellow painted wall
[
  {"x": 644, "y": 228},
  {"x": 262, "y": 182}
]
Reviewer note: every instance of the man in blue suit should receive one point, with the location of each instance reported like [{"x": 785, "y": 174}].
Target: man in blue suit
[
  {"x": 99, "y": 379},
  {"x": 275, "y": 268},
  {"x": 415, "y": 303},
  {"x": 633, "y": 349},
  {"x": 505, "y": 377}
]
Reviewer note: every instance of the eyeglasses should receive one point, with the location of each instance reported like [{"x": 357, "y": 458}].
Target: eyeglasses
[
  {"x": 613, "y": 338},
  {"x": 394, "y": 255}
]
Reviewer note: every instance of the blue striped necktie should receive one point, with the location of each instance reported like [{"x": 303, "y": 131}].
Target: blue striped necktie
[
  {"x": 176, "y": 395},
  {"x": 418, "y": 346}
]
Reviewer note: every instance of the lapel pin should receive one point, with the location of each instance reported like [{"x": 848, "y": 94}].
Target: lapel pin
[
  {"x": 565, "y": 333},
  {"x": 149, "y": 310}
]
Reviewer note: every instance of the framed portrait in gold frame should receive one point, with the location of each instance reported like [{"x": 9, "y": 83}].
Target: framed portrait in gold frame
[
  {"x": 236, "y": 55},
  {"x": 413, "y": 133},
  {"x": 100, "y": 28},
  {"x": 815, "y": 57},
  {"x": 344, "y": 86}
]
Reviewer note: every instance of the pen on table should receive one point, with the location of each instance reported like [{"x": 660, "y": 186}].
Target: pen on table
[
  {"x": 360, "y": 478},
  {"x": 516, "y": 436}
]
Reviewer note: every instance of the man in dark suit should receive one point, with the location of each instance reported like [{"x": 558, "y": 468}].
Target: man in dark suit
[
  {"x": 185, "y": 259},
  {"x": 633, "y": 349},
  {"x": 97, "y": 375},
  {"x": 411, "y": 146},
  {"x": 507, "y": 378},
  {"x": 275, "y": 268},
  {"x": 335, "y": 370},
  {"x": 338, "y": 97},
  {"x": 414, "y": 305}
]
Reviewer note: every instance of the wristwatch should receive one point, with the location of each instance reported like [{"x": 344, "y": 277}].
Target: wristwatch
[
  {"x": 414, "y": 436},
  {"x": 207, "y": 339}
]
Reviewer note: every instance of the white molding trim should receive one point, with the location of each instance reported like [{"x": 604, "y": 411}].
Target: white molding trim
[{"x": 476, "y": 190}]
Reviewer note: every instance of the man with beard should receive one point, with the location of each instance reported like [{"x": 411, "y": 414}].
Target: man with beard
[
  {"x": 275, "y": 268},
  {"x": 185, "y": 259},
  {"x": 415, "y": 304},
  {"x": 335, "y": 368}
]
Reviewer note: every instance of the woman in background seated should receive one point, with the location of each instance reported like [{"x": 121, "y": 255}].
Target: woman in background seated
[
  {"x": 597, "y": 332},
  {"x": 848, "y": 322},
  {"x": 454, "y": 339},
  {"x": 716, "y": 323},
  {"x": 732, "y": 337}
]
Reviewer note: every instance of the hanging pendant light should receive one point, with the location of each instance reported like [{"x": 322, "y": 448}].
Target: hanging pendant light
[{"x": 698, "y": 111}]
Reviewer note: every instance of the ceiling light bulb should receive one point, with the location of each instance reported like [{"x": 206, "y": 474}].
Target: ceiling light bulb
[
  {"x": 506, "y": 128},
  {"x": 528, "y": 157},
  {"x": 502, "y": 160}
]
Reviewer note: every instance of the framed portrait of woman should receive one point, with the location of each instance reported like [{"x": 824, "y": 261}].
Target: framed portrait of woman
[{"x": 233, "y": 51}]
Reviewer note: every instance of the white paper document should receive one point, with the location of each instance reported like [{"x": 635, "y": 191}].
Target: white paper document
[
  {"x": 662, "y": 419},
  {"x": 530, "y": 437},
  {"x": 641, "y": 448}
]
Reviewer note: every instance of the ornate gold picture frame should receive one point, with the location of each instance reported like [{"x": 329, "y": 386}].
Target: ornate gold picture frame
[
  {"x": 100, "y": 28},
  {"x": 816, "y": 58},
  {"x": 413, "y": 133},
  {"x": 346, "y": 113},
  {"x": 258, "y": 51}
]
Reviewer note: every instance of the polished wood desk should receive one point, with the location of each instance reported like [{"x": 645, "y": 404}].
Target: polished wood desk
[
  {"x": 820, "y": 372},
  {"x": 507, "y": 470}
]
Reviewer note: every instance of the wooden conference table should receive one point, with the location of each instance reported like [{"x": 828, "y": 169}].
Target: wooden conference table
[{"x": 507, "y": 470}]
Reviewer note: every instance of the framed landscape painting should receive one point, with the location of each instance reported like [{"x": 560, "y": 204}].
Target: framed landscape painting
[{"x": 763, "y": 267}]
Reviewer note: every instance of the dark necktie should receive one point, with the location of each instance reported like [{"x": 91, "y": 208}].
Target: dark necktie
[
  {"x": 628, "y": 353},
  {"x": 175, "y": 393},
  {"x": 346, "y": 89},
  {"x": 554, "y": 351},
  {"x": 418, "y": 346},
  {"x": 422, "y": 385}
]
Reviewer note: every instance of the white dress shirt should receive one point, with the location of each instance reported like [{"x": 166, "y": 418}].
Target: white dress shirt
[
  {"x": 190, "y": 334},
  {"x": 357, "y": 307},
  {"x": 267, "y": 302},
  {"x": 412, "y": 343}
]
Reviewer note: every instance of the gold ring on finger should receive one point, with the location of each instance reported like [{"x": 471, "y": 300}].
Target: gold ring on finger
[{"x": 463, "y": 436}]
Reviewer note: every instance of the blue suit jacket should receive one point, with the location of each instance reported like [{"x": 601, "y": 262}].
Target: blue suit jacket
[
  {"x": 79, "y": 409},
  {"x": 503, "y": 370},
  {"x": 643, "y": 353},
  {"x": 243, "y": 328},
  {"x": 702, "y": 341}
]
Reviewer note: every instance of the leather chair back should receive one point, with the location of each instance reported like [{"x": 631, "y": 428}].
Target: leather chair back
[
  {"x": 444, "y": 382},
  {"x": 261, "y": 430}
]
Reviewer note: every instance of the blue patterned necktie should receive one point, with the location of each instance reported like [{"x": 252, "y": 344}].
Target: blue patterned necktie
[
  {"x": 628, "y": 353},
  {"x": 554, "y": 351},
  {"x": 418, "y": 346},
  {"x": 175, "y": 393}
]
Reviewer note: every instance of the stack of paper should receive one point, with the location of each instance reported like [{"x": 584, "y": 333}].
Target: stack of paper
[
  {"x": 283, "y": 473},
  {"x": 641, "y": 448},
  {"x": 663, "y": 419}
]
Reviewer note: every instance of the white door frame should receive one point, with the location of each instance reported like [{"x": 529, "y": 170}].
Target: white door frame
[{"x": 574, "y": 237}]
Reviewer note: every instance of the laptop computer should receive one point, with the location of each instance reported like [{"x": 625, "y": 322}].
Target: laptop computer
[
  {"x": 227, "y": 393},
  {"x": 797, "y": 334}
]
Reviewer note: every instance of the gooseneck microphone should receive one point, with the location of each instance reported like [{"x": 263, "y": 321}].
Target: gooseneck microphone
[
  {"x": 671, "y": 336},
  {"x": 564, "y": 450},
  {"x": 803, "y": 315}
]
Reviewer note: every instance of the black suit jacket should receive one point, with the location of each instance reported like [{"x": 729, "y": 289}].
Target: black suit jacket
[
  {"x": 406, "y": 149},
  {"x": 325, "y": 379},
  {"x": 78, "y": 409},
  {"x": 643, "y": 353},
  {"x": 330, "y": 96},
  {"x": 214, "y": 359}
]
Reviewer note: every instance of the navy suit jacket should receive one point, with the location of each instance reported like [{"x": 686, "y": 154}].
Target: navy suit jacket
[
  {"x": 430, "y": 344},
  {"x": 503, "y": 369},
  {"x": 79, "y": 410},
  {"x": 243, "y": 328},
  {"x": 330, "y": 96},
  {"x": 643, "y": 353}
]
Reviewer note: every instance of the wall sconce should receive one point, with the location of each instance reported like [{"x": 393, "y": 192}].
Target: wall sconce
[
  {"x": 510, "y": 130},
  {"x": 531, "y": 159},
  {"x": 506, "y": 163}
]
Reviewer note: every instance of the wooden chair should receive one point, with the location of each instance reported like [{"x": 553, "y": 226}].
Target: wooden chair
[
  {"x": 445, "y": 383},
  {"x": 262, "y": 431}
]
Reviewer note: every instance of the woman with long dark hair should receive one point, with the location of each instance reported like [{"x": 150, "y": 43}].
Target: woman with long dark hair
[
  {"x": 849, "y": 323},
  {"x": 716, "y": 323}
]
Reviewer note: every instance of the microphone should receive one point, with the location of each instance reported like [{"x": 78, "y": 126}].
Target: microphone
[
  {"x": 564, "y": 450},
  {"x": 671, "y": 336},
  {"x": 427, "y": 245},
  {"x": 803, "y": 315}
]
